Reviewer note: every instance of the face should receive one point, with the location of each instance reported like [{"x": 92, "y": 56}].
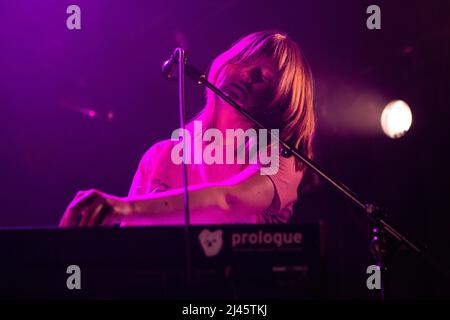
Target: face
[{"x": 251, "y": 84}]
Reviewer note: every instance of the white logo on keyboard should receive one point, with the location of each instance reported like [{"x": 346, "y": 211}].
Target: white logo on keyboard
[
  {"x": 261, "y": 237},
  {"x": 211, "y": 242}
]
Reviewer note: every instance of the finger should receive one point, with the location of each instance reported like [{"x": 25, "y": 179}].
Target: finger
[
  {"x": 67, "y": 220},
  {"x": 115, "y": 215},
  {"x": 70, "y": 218},
  {"x": 109, "y": 220},
  {"x": 99, "y": 215},
  {"x": 73, "y": 211},
  {"x": 89, "y": 210},
  {"x": 84, "y": 218}
]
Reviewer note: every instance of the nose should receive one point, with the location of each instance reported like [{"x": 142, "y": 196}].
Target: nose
[
  {"x": 245, "y": 75},
  {"x": 251, "y": 75}
]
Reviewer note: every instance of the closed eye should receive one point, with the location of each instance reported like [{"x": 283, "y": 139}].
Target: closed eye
[{"x": 268, "y": 75}]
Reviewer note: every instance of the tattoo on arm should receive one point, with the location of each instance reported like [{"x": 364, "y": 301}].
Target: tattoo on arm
[{"x": 159, "y": 186}]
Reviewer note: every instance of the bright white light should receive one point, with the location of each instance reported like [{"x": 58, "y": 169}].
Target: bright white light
[{"x": 396, "y": 119}]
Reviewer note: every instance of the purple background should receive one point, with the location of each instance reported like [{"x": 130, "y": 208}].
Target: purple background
[{"x": 51, "y": 149}]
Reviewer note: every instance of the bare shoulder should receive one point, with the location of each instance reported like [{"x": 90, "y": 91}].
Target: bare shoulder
[{"x": 160, "y": 149}]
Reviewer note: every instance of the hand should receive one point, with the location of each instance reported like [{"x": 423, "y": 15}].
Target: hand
[{"x": 94, "y": 208}]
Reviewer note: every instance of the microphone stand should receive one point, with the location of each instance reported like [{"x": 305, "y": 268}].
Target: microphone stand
[
  {"x": 176, "y": 58},
  {"x": 382, "y": 227}
]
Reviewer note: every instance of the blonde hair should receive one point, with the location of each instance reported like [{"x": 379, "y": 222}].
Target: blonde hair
[{"x": 292, "y": 104}]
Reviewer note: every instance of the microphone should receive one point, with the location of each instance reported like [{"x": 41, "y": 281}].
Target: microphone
[
  {"x": 170, "y": 72},
  {"x": 168, "y": 68}
]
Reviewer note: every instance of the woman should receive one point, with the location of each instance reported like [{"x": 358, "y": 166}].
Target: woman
[{"x": 267, "y": 75}]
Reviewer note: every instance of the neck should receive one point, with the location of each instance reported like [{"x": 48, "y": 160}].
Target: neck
[{"x": 226, "y": 117}]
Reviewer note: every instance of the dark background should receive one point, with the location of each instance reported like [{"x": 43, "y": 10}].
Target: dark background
[{"x": 50, "y": 76}]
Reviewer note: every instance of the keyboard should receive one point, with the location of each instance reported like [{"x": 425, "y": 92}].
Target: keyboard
[{"x": 216, "y": 261}]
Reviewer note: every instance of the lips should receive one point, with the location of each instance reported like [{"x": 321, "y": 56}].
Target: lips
[{"x": 241, "y": 89}]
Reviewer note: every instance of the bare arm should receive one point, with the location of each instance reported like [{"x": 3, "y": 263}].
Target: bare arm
[{"x": 234, "y": 201}]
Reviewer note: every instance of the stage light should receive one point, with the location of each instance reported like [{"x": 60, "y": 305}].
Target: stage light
[{"x": 396, "y": 119}]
